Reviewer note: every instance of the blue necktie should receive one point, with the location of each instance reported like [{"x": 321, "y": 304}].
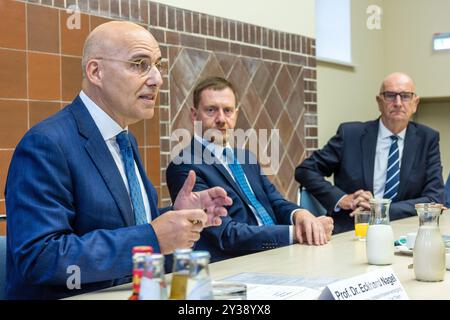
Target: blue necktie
[
  {"x": 239, "y": 176},
  {"x": 393, "y": 171},
  {"x": 123, "y": 140}
]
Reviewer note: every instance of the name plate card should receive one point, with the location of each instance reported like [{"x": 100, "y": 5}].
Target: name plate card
[{"x": 380, "y": 284}]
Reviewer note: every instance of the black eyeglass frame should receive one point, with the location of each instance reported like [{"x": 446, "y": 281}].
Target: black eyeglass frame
[{"x": 409, "y": 96}]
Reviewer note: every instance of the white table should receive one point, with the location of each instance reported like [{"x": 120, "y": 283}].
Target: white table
[{"x": 342, "y": 257}]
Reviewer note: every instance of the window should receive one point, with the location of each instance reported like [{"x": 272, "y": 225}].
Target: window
[
  {"x": 441, "y": 41},
  {"x": 333, "y": 32}
]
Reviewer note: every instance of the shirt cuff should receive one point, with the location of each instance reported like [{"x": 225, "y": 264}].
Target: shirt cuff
[
  {"x": 292, "y": 214},
  {"x": 291, "y": 234},
  {"x": 291, "y": 227},
  {"x": 336, "y": 207}
]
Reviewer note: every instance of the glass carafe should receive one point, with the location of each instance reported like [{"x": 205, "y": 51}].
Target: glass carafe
[
  {"x": 429, "y": 248},
  {"x": 379, "y": 238}
]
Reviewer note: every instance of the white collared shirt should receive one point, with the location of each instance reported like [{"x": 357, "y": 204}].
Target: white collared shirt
[
  {"x": 217, "y": 151},
  {"x": 384, "y": 142},
  {"x": 109, "y": 129}
]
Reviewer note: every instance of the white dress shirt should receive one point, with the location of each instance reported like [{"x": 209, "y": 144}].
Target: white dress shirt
[
  {"x": 109, "y": 129},
  {"x": 384, "y": 142},
  {"x": 217, "y": 151}
]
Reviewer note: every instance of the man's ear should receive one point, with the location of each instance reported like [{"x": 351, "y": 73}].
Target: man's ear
[
  {"x": 194, "y": 112},
  {"x": 94, "y": 73},
  {"x": 416, "y": 103},
  {"x": 379, "y": 102}
]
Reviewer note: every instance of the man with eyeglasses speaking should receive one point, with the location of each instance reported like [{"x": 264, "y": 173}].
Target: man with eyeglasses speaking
[
  {"x": 390, "y": 157},
  {"x": 77, "y": 196}
]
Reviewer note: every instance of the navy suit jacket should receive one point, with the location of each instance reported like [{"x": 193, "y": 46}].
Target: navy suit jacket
[
  {"x": 350, "y": 156},
  {"x": 239, "y": 233},
  {"x": 67, "y": 205},
  {"x": 447, "y": 192}
]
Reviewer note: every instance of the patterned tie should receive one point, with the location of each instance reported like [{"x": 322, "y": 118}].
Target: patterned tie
[
  {"x": 393, "y": 171},
  {"x": 239, "y": 176},
  {"x": 123, "y": 140}
]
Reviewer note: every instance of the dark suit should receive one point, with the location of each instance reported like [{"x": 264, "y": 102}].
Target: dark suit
[
  {"x": 350, "y": 156},
  {"x": 239, "y": 233},
  {"x": 67, "y": 206},
  {"x": 447, "y": 192}
]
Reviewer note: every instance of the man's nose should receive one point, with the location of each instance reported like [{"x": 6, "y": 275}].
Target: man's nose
[
  {"x": 220, "y": 118},
  {"x": 154, "y": 78},
  {"x": 398, "y": 100}
]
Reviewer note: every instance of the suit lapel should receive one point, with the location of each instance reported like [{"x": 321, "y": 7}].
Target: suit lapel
[
  {"x": 103, "y": 160},
  {"x": 368, "y": 148},
  {"x": 412, "y": 140}
]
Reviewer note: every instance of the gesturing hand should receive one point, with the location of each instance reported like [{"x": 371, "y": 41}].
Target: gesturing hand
[{"x": 211, "y": 200}]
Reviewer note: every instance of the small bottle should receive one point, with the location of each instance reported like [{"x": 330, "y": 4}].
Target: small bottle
[
  {"x": 199, "y": 284},
  {"x": 180, "y": 273},
  {"x": 380, "y": 237},
  {"x": 153, "y": 283},
  {"x": 139, "y": 254}
]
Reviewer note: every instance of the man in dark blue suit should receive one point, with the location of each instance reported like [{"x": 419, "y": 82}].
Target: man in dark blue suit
[
  {"x": 260, "y": 218},
  {"x": 77, "y": 195},
  {"x": 390, "y": 157},
  {"x": 447, "y": 192}
]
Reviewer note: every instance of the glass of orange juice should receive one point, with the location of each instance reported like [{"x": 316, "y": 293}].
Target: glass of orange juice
[{"x": 361, "y": 224}]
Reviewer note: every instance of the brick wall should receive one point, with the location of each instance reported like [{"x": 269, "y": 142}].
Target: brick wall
[{"x": 274, "y": 72}]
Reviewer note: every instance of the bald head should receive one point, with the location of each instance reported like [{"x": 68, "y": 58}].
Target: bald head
[
  {"x": 121, "y": 71},
  {"x": 109, "y": 39},
  {"x": 398, "y": 78},
  {"x": 397, "y": 101}
]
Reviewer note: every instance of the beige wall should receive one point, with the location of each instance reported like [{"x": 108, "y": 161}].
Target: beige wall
[
  {"x": 408, "y": 29},
  {"x": 348, "y": 94},
  {"x": 285, "y": 15},
  {"x": 437, "y": 116}
]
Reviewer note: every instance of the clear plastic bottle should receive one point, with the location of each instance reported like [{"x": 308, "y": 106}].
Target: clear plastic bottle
[
  {"x": 199, "y": 284},
  {"x": 429, "y": 248},
  {"x": 180, "y": 273},
  {"x": 380, "y": 237},
  {"x": 153, "y": 282}
]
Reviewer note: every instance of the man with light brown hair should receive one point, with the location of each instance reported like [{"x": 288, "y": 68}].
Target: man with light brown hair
[{"x": 260, "y": 217}]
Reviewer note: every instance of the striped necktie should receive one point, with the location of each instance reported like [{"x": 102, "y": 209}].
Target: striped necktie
[
  {"x": 393, "y": 171},
  {"x": 239, "y": 177},
  {"x": 123, "y": 140}
]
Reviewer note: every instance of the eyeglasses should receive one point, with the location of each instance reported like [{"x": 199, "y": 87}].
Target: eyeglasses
[
  {"x": 391, "y": 96},
  {"x": 143, "y": 65}
]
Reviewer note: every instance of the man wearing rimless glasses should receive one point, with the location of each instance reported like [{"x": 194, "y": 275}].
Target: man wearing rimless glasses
[
  {"x": 77, "y": 196},
  {"x": 391, "y": 157}
]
